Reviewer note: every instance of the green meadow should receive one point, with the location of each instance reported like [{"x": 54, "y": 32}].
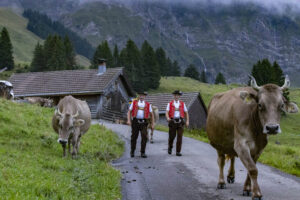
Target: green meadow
[
  {"x": 282, "y": 151},
  {"x": 32, "y": 166}
]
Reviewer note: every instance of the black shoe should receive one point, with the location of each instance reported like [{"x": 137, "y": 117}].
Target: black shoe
[
  {"x": 169, "y": 151},
  {"x": 178, "y": 154},
  {"x": 143, "y": 155},
  {"x": 131, "y": 154}
]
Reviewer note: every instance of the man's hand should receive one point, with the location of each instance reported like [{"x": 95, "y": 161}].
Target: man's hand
[
  {"x": 129, "y": 122},
  {"x": 168, "y": 119},
  {"x": 187, "y": 123}
]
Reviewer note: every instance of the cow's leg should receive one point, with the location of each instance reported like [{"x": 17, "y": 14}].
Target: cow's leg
[
  {"x": 69, "y": 145},
  {"x": 78, "y": 144},
  {"x": 231, "y": 171},
  {"x": 221, "y": 163},
  {"x": 247, "y": 186},
  {"x": 64, "y": 149},
  {"x": 74, "y": 145},
  {"x": 243, "y": 152},
  {"x": 151, "y": 139}
]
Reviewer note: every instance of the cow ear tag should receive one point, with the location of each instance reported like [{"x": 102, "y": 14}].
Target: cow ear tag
[
  {"x": 246, "y": 97},
  {"x": 79, "y": 122}
]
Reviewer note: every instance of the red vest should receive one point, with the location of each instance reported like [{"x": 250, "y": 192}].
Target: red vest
[
  {"x": 135, "y": 109},
  {"x": 172, "y": 109}
]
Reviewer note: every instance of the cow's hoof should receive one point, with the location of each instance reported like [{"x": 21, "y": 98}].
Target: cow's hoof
[
  {"x": 230, "y": 179},
  {"x": 221, "y": 186},
  {"x": 257, "y": 198},
  {"x": 246, "y": 193}
]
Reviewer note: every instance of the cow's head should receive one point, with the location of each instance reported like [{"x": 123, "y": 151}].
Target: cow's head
[
  {"x": 48, "y": 103},
  {"x": 270, "y": 103},
  {"x": 68, "y": 125},
  {"x": 6, "y": 90}
]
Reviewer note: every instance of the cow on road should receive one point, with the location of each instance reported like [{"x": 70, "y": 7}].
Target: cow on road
[{"x": 239, "y": 122}]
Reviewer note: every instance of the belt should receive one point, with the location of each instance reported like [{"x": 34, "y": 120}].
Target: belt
[
  {"x": 177, "y": 120},
  {"x": 141, "y": 121}
]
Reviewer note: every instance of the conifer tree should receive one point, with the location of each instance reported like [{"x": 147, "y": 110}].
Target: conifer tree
[
  {"x": 116, "y": 59},
  {"x": 150, "y": 67},
  {"x": 203, "y": 77},
  {"x": 130, "y": 58},
  {"x": 70, "y": 62},
  {"x": 220, "y": 79},
  {"x": 175, "y": 69},
  {"x": 103, "y": 51},
  {"x": 191, "y": 72},
  {"x": 38, "y": 61},
  {"x": 56, "y": 57},
  {"x": 162, "y": 62},
  {"x": 6, "y": 50}
]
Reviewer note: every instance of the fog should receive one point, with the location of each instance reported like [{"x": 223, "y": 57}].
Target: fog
[{"x": 279, "y": 6}]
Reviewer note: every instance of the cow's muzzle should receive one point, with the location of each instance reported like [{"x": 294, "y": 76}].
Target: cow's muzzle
[
  {"x": 62, "y": 141},
  {"x": 272, "y": 129}
]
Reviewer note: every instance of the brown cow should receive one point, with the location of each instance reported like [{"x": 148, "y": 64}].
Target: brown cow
[
  {"x": 44, "y": 102},
  {"x": 71, "y": 120},
  {"x": 156, "y": 118},
  {"x": 238, "y": 124}
]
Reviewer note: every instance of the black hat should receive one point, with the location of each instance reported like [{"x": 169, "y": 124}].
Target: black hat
[
  {"x": 143, "y": 93},
  {"x": 177, "y": 92},
  {"x": 101, "y": 60}
]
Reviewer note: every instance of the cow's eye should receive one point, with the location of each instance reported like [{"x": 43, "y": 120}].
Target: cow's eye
[{"x": 260, "y": 106}]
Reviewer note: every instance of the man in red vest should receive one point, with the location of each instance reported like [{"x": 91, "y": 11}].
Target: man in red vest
[
  {"x": 176, "y": 114},
  {"x": 140, "y": 111}
]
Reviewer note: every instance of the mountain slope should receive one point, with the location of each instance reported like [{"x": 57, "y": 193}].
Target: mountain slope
[
  {"x": 24, "y": 41},
  {"x": 217, "y": 37}
]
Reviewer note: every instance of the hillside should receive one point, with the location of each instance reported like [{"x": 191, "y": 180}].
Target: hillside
[
  {"x": 24, "y": 41},
  {"x": 219, "y": 37},
  {"x": 283, "y": 149},
  {"x": 32, "y": 166}
]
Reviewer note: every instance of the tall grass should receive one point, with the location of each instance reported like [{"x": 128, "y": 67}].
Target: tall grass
[{"x": 31, "y": 162}]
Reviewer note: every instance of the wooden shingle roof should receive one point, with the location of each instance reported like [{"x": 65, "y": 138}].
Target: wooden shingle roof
[
  {"x": 161, "y": 100},
  {"x": 63, "y": 82}
]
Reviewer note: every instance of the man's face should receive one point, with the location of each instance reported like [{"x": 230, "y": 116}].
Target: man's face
[
  {"x": 142, "y": 97},
  {"x": 176, "y": 97}
]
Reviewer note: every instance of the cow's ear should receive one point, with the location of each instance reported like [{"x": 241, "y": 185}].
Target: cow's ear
[
  {"x": 79, "y": 122},
  {"x": 291, "y": 107},
  {"x": 247, "y": 97}
]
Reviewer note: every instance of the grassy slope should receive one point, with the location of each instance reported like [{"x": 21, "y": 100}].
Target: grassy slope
[
  {"x": 22, "y": 39},
  {"x": 283, "y": 150},
  {"x": 32, "y": 166}
]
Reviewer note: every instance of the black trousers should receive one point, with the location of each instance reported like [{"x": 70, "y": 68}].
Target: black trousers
[
  {"x": 176, "y": 128},
  {"x": 136, "y": 128}
]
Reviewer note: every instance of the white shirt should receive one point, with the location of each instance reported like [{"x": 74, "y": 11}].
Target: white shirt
[
  {"x": 176, "y": 113},
  {"x": 140, "y": 113}
]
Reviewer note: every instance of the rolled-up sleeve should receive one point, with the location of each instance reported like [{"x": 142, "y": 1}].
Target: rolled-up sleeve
[
  {"x": 168, "y": 107},
  {"x": 185, "y": 109},
  {"x": 131, "y": 106}
]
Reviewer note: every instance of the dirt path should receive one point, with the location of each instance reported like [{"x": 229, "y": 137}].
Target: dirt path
[{"x": 192, "y": 176}]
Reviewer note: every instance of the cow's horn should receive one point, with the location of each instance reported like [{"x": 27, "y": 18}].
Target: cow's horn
[
  {"x": 287, "y": 83},
  {"x": 253, "y": 83},
  {"x": 57, "y": 112},
  {"x": 76, "y": 115}
]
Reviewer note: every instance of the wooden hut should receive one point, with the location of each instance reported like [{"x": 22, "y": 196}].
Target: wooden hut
[{"x": 107, "y": 92}]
